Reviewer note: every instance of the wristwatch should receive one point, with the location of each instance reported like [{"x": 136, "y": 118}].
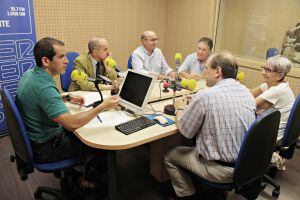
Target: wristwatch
[
  {"x": 68, "y": 97},
  {"x": 178, "y": 110}
]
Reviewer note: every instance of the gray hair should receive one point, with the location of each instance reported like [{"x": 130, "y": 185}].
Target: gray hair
[
  {"x": 94, "y": 43},
  {"x": 279, "y": 64}
]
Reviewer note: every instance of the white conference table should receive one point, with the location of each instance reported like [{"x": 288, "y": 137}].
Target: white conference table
[{"x": 108, "y": 138}]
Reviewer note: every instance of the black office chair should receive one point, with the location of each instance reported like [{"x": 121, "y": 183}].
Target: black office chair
[
  {"x": 254, "y": 157},
  {"x": 24, "y": 156},
  {"x": 288, "y": 144}
]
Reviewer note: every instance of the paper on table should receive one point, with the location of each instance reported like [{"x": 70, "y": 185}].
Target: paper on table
[
  {"x": 108, "y": 118},
  {"x": 93, "y": 123},
  {"x": 113, "y": 117},
  {"x": 91, "y": 97}
]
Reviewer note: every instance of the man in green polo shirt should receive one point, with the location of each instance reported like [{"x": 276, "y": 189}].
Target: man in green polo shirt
[{"x": 48, "y": 121}]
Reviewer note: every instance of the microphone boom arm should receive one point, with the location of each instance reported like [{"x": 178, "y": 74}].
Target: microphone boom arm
[{"x": 96, "y": 103}]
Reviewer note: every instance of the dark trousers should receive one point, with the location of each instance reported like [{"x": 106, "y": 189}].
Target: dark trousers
[{"x": 66, "y": 146}]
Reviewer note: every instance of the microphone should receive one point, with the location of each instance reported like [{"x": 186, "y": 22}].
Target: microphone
[
  {"x": 178, "y": 57},
  {"x": 240, "y": 76},
  {"x": 166, "y": 85},
  {"x": 105, "y": 79},
  {"x": 78, "y": 75},
  {"x": 113, "y": 64},
  {"x": 189, "y": 84}
]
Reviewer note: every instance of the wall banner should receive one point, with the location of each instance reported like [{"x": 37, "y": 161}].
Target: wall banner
[{"x": 17, "y": 39}]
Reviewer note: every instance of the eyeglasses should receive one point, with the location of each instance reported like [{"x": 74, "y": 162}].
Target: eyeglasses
[{"x": 268, "y": 70}]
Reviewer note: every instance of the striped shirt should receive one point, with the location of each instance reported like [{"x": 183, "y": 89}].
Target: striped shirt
[{"x": 219, "y": 118}]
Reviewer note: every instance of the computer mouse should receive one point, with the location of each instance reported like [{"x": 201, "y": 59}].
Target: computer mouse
[{"x": 161, "y": 119}]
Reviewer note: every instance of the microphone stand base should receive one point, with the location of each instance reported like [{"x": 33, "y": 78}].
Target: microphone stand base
[
  {"x": 169, "y": 110},
  {"x": 165, "y": 90}
]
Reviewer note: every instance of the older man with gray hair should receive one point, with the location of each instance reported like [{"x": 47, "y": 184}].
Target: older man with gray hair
[
  {"x": 218, "y": 117},
  {"x": 149, "y": 59}
]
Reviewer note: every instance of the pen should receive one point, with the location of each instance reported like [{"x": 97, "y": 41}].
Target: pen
[{"x": 99, "y": 118}]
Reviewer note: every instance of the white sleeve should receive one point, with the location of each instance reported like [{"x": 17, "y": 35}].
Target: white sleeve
[
  {"x": 137, "y": 63},
  {"x": 185, "y": 65},
  {"x": 273, "y": 94},
  {"x": 264, "y": 87}
]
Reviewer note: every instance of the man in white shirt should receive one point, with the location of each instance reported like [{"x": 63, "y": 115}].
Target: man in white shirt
[
  {"x": 149, "y": 59},
  {"x": 193, "y": 65}
]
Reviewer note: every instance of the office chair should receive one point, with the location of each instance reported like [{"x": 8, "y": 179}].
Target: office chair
[
  {"x": 24, "y": 155},
  {"x": 254, "y": 157},
  {"x": 288, "y": 144},
  {"x": 271, "y": 52},
  {"x": 65, "y": 79},
  {"x": 129, "y": 65}
]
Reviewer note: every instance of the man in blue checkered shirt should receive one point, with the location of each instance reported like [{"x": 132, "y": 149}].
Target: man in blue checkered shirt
[{"x": 218, "y": 117}]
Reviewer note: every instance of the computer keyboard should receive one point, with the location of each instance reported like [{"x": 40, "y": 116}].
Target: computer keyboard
[{"x": 134, "y": 125}]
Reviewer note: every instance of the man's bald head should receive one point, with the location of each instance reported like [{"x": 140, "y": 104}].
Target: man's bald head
[
  {"x": 96, "y": 43},
  {"x": 149, "y": 40},
  {"x": 98, "y": 48},
  {"x": 148, "y": 34},
  {"x": 226, "y": 61}
]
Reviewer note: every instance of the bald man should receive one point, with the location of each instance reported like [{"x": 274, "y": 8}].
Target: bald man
[
  {"x": 93, "y": 64},
  {"x": 149, "y": 59}
]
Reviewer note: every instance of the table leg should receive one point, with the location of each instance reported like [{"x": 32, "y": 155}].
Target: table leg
[{"x": 112, "y": 175}]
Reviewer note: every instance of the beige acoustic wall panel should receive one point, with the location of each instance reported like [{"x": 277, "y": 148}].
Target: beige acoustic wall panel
[
  {"x": 187, "y": 21},
  {"x": 120, "y": 21}
]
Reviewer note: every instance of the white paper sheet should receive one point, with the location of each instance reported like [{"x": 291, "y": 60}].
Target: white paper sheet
[
  {"x": 108, "y": 118},
  {"x": 113, "y": 117},
  {"x": 91, "y": 97}
]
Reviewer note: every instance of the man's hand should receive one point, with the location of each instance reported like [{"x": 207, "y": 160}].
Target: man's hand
[
  {"x": 180, "y": 103},
  {"x": 110, "y": 102},
  {"x": 76, "y": 99},
  {"x": 172, "y": 74},
  {"x": 116, "y": 86}
]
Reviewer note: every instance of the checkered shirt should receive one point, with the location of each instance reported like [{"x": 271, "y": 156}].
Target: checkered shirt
[{"x": 219, "y": 118}]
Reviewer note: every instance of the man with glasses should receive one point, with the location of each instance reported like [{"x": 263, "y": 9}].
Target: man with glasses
[
  {"x": 93, "y": 65},
  {"x": 149, "y": 59},
  {"x": 274, "y": 91}
]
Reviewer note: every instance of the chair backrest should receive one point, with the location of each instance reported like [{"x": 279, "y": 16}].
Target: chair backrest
[
  {"x": 19, "y": 137},
  {"x": 271, "y": 52},
  {"x": 65, "y": 78},
  {"x": 257, "y": 148},
  {"x": 292, "y": 129},
  {"x": 129, "y": 65}
]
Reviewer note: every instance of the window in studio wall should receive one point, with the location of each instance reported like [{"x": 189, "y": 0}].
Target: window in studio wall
[{"x": 249, "y": 28}]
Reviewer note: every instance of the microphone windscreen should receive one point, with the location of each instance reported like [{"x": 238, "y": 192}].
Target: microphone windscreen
[
  {"x": 110, "y": 62},
  {"x": 184, "y": 82},
  {"x": 240, "y": 76},
  {"x": 191, "y": 84},
  {"x": 166, "y": 84},
  {"x": 77, "y": 75},
  {"x": 178, "y": 57}
]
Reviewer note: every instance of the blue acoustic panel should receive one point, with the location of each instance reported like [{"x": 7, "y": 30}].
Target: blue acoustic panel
[{"x": 17, "y": 39}]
